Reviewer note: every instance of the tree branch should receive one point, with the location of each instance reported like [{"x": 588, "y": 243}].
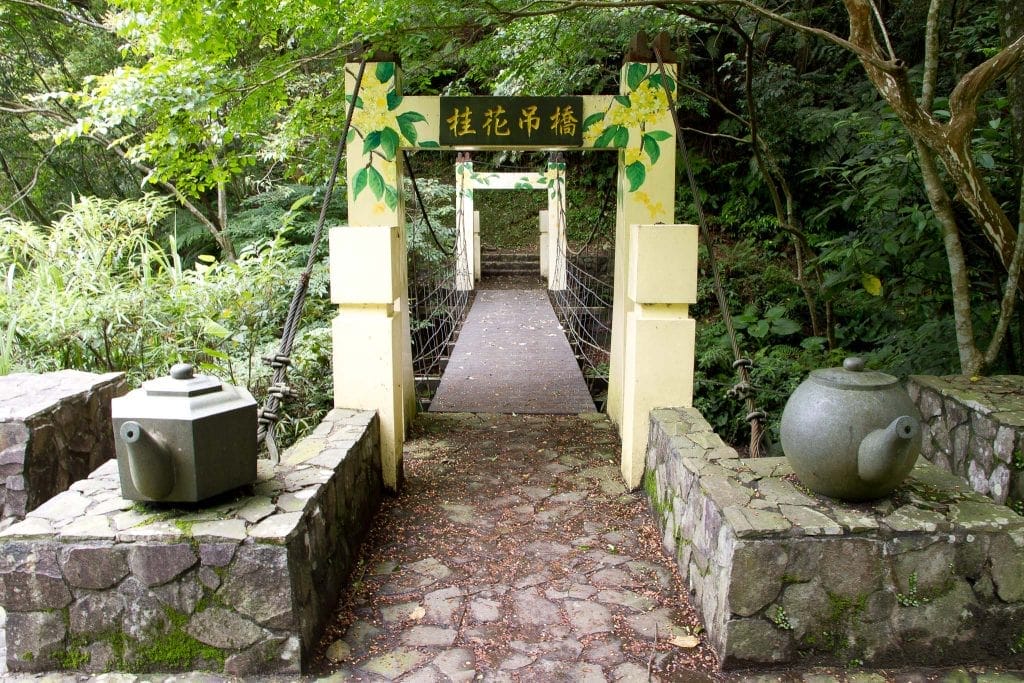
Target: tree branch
[
  {"x": 963, "y": 102},
  {"x": 931, "y": 55},
  {"x": 77, "y": 18},
  {"x": 875, "y": 59}
]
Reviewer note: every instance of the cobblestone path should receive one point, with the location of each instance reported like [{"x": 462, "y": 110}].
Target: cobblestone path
[{"x": 514, "y": 553}]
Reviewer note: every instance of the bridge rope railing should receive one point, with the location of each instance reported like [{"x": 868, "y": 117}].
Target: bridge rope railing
[
  {"x": 437, "y": 305},
  {"x": 584, "y": 309}
]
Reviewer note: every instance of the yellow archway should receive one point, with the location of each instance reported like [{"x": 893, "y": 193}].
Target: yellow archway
[{"x": 651, "y": 357}]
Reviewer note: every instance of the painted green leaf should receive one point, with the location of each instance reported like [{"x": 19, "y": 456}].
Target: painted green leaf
[
  {"x": 371, "y": 142},
  {"x": 592, "y": 119},
  {"x": 660, "y": 135},
  {"x": 359, "y": 101},
  {"x": 390, "y": 197},
  {"x": 413, "y": 117},
  {"x": 429, "y": 144},
  {"x": 394, "y": 100},
  {"x": 359, "y": 181},
  {"x": 651, "y": 147},
  {"x": 656, "y": 81},
  {"x": 623, "y": 100},
  {"x": 351, "y": 135},
  {"x": 385, "y": 70},
  {"x": 405, "y": 124},
  {"x": 636, "y": 174},
  {"x": 389, "y": 143},
  {"x": 635, "y": 75},
  {"x": 375, "y": 181},
  {"x": 621, "y": 138},
  {"x": 605, "y": 139}
]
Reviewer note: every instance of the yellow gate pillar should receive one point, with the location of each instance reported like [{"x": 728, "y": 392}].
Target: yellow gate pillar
[
  {"x": 556, "y": 225},
  {"x": 369, "y": 271},
  {"x": 465, "y": 224},
  {"x": 646, "y": 195},
  {"x": 659, "y": 334}
]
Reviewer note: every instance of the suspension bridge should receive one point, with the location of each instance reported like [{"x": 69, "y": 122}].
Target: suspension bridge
[{"x": 511, "y": 349}]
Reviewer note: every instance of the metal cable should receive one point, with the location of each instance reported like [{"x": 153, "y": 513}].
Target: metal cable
[
  {"x": 279, "y": 389},
  {"x": 423, "y": 207},
  {"x": 755, "y": 417}
]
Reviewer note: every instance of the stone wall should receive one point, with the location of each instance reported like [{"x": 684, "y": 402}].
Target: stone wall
[
  {"x": 239, "y": 585},
  {"x": 933, "y": 574},
  {"x": 54, "y": 430},
  {"x": 975, "y": 428}
]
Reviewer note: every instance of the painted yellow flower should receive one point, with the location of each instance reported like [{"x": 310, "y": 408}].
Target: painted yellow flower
[
  {"x": 374, "y": 114},
  {"x": 634, "y": 155}
]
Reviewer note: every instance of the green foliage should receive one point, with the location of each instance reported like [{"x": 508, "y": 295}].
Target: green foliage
[{"x": 94, "y": 292}]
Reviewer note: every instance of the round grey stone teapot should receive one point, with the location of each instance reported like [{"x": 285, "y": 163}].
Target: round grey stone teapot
[{"x": 851, "y": 433}]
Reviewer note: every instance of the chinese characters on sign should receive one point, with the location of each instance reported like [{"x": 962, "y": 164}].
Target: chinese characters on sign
[{"x": 512, "y": 121}]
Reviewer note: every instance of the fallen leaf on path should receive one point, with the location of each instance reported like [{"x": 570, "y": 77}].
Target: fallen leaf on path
[
  {"x": 418, "y": 613},
  {"x": 685, "y": 641}
]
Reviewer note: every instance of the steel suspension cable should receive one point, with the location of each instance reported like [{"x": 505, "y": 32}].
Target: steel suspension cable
[
  {"x": 279, "y": 389},
  {"x": 423, "y": 207},
  {"x": 744, "y": 389}
]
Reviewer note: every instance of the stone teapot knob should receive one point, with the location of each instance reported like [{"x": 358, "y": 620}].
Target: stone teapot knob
[
  {"x": 854, "y": 364},
  {"x": 182, "y": 371}
]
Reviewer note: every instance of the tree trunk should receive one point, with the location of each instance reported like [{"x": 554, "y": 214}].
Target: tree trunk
[
  {"x": 1011, "y": 25},
  {"x": 951, "y": 142}
]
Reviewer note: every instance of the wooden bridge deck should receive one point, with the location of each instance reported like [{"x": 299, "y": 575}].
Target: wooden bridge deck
[{"x": 512, "y": 357}]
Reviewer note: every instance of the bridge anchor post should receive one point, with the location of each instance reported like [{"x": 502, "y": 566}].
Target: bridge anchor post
[{"x": 659, "y": 334}]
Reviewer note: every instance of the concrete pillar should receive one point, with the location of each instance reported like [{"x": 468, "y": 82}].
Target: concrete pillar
[
  {"x": 373, "y": 316},
  {"x": 646, "y": 195},
  {"x": 464, "y": 220},
  {"x": 659, "y": 334},
  {"x": 544, "y": 245},
  {"x": 367, "y": 284},
  {"x": 556, "y": 225},
  {"x": 476, "y": 245}
]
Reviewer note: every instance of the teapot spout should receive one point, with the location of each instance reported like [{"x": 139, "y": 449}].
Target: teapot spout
[
  {"x": 150, "y": 463},
  {"x": 880, "y": 450}
]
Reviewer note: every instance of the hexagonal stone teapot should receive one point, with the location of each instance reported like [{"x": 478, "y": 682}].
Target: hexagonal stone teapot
[
  {"x": 184, "y": 438},
  {"x": 851, "y": 433}
]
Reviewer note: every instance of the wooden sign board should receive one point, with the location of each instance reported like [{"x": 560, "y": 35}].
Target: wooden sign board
[{"x": 512, "y": 121}]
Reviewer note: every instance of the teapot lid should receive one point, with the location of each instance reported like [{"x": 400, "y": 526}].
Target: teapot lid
[
  {"x": 182, "y": 382},
  {"x": 852, "y": 375}
]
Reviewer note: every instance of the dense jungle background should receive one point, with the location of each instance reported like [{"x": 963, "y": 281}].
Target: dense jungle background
[{"x": 163, "y": 165}]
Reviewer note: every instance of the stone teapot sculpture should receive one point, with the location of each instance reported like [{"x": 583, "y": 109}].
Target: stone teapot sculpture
[
  {"x": 851, "y": 433},
  {"x": 184, "y": 438}
]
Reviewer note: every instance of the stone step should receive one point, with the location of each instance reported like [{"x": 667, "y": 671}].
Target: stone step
[
  {"x": 509, "y": 270},
  {"x": 501, "y": 257}
]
